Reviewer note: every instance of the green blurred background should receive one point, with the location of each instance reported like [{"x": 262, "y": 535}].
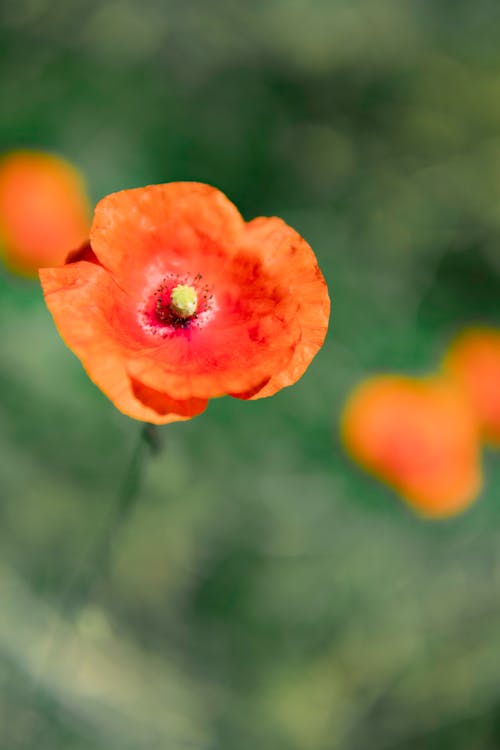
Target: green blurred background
[{"x": 264, "y": 592}]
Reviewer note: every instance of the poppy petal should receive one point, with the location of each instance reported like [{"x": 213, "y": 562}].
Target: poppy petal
[
  {"x": 85, "y": 302},
  {"x": 289, "y": 257},
  {"x": 150, "y": 230},
  {"x": 259, "y": 302},
  {"x": 44, "y": 211},
  {"x": 474, "y": 362},
  {"x": 418, "y": 435}
]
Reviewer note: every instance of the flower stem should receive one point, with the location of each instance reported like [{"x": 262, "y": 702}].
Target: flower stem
[{"x": 98, "y": 559}]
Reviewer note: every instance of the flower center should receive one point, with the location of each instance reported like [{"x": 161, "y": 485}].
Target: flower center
[
  {"x": 179, "y": 303},
  {"x": 183, "y": 301}
]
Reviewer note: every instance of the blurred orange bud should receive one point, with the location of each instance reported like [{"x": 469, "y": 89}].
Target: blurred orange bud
[
  {"x": 474, "y": 362},
  {"x": 418, "y": 435},
  {"x": 44, "y": 210}
]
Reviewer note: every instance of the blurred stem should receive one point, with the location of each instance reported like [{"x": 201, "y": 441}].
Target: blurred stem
[{"x": 98, "y": 559}]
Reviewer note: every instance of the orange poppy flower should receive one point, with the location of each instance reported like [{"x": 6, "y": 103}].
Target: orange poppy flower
[
  {"x": 44, "y": 211},
  {"x": 474, "y": 361},
  {"x": 177, "y": 300},
  {"x": 420, "y": 437}
]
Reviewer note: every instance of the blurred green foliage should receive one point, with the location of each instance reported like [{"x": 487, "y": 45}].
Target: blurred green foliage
[{"x": 264, "y": 593}]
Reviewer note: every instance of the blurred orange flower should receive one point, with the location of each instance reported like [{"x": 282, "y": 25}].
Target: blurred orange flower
[
  {"x": 177, "y": 300},
  {"x": 419, "y": 436},
  {"x": 474, "y": 361},
  {"x": 44, "y": 211}
]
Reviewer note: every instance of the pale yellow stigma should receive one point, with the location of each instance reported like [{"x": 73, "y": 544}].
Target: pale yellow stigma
[{"x": 183, "y": 301}]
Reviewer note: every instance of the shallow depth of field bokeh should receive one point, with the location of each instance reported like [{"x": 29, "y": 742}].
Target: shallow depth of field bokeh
[{"x": 265, "y": 592}]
